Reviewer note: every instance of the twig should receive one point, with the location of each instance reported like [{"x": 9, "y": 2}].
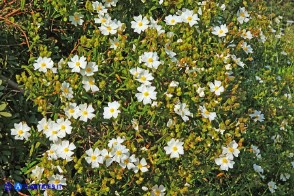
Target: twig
[{"x": 12, "y": 84}]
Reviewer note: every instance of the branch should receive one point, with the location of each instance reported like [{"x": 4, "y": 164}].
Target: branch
[{"x": 12, "y": 84}]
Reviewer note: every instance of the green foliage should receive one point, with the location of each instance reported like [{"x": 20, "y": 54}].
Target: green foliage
[{"x": 264, "y": 83}]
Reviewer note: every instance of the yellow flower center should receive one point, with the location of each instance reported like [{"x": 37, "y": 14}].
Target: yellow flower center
[
  {"x": 54, "y": 132},
  {"x": 143, "y": 78},
  {"x": 225, "y": 160},
  {"x": 51, "y": 152},
  {"x": 172, "y": 21},
  {"x": 206, "y": 112},
  {"x": 66, "y": 150},
  {"x": 146, "y": 94},
  {"x": 99, "y": 7},
  {"x": 175, "y": 149},
  {"x": 76, "y": 18},
  {"x": 78, "y": 64},
  {"x": 140, "y": 24},
  {"x": 109, "y": 28},
  {"x": 103, "y": 20},
  {"x": 91, "y": 82},
  {"x": 20, "y": 132},
  {"x": 71, "y": 111},
  {"x": 150, "y": 60},
  {"x": 189, "y": 18},
  {"x": 43, "y": 65},
  {"x": 93, "y": 158},
  {"x": 242, "y": 14},
  {"x": 126, "y": 161},
  {"x": 118, "y": 153},
  {"x": 231, "y": 149},
  {"x": 140, "y": 165},
  {"x": 65, "y": 90},
  {"x": 111, "y": 110},
  {"x": 157, "y": 192},
  {"x": 46, "y": 127},
  {"x": 56, "y": 181},
  {"x": 216, "y": 88},
  {"x": 220, "y": 31},
  {"x": 62, "y": 127},
  {"x": 88, "y": 69},
  {"x": 245, "y": 48},
  {"x": 85, "y": 113}
]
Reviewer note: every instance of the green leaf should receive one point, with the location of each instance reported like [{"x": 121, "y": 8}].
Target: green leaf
[
  {"x": 5, "y": 114},
  {"x": 3, "y": 106}
]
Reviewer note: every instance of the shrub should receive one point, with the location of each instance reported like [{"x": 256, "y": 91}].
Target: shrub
[{"x": 157, "y": 97}]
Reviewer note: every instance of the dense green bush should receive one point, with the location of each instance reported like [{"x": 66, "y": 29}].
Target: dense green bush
[{"x": 155, "y": 97}]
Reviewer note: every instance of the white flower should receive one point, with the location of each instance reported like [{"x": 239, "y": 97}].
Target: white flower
[
  {"x": 144, "y": 77},
  {"x": 201, "y": 92},
  {"x": 158, "y": 191},
  {"x": 206, "y": 114},
  {"x": 77, "y": 63},
  {"x": 150, "y": 59},
  {"x": 53, "y": 132},
  {"x": 76, "y": 19},
  {"x": 94, "y": 157},
  {"x": 109, "y": 3},
  {"x": 238, "y": 61},
  {"x": 102, "y": 19},
  {"x": 66, "y": 90},
  {"x": 89, "y": 84},
  {"x": 57, "y": 180},
  {"x": 107, "y": 157},
  {"x": 52, "y": 152},
  {"x": 242, "y": 15},
  {"x": 72, "y": 110},
  {"x": 154, "y": 25},
  {"x": 140, "y": 24},
  {"x": 146, "y": 94},
  {"x": 21, "y": 131},
  {"x": 118, "y": 151},
  {"x": 284, "y": 176},
  {"x": 231, "y": 150},
  {"x": 216, "y": 87},
  {"x": 43, "y": 125},
  {"x": 247, "y": 48},
  {"x": 172, "y": 19},
  {"x": 174, "y": 148},
  {"x": 256, "y": 151},
  {"x": 258, "y": 169},
  {"x": 113, "y": 142},
  {"x": 128, "y": 161},
  {"x": 37, "y": 172},
  {"x": 108, "y": 28},
  {"x": 97, "y": 6},
  {"x": 64, "y": 127},
  {"x": 246, "y": 34},
  {"x": 86, "y": 112},
  {"x": 135, "y": 124},
  {"x": 114, "y": 43},
  {"x": 136, "y": 71},
  {"x": 257, "y": 116},
  {"x": 89, "y": 69},
  {"x": 220, "y": 31},
  {"x": 182, "y": 110},
  {"x": 42, "y": 64},
  {"x": 65, "y": 150},
  {"x": 188, "y": 16},
  {"x": 142, "y": 166},
  {"x": 144, "y": 188},
  {"x": 174, "y": 84},
  {"x": 272, "y": 186},
  {"x": 111, "y": 110},
  {"x": 224, "y": 162}
]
